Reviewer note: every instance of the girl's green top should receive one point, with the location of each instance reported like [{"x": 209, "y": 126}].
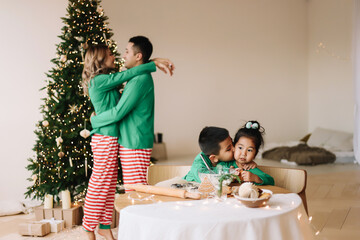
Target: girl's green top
[
  {"x": 266, "y": 178},
  {"x": 104, "y": 94}
]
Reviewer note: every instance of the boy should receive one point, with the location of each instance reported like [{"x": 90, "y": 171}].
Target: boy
[{"x": 216, "y": 148}]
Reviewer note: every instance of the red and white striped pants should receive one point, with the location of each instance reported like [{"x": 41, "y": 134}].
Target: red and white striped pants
[
  {"x": 134, "y": 164},
  {"x": 100, "y": 196}
]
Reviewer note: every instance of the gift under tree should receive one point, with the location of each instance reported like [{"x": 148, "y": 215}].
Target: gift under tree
[{"x": 63, "y": 158}]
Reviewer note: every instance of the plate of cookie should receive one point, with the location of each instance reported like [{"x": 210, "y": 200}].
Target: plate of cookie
[{"x": 252, "y": 196}]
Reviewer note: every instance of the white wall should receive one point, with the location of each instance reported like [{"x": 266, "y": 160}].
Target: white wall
[
  {"x": 236, "y": 60},
  {"x": 331, "y": 95}
]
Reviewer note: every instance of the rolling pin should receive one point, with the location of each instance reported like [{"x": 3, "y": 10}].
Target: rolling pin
[{"x": 163, "y": 191}]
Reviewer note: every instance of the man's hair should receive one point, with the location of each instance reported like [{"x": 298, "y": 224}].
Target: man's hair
[
  {"x": 142, "y": 45},
  {"x": 210, "y": 139}
]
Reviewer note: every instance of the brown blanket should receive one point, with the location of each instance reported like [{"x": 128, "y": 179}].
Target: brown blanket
[{"x": 302, "y": 154}]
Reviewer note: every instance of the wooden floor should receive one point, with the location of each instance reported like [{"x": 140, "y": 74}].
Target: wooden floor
[{"x": 334, "y": 204}]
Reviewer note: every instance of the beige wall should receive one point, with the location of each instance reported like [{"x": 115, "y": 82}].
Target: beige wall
[
  {"x": 27, "y": 44},
  {"x": 331, "y": 95},
  {"x": 236, "y": 60}
]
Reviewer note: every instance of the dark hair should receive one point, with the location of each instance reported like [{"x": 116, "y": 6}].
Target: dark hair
[
  {"x": 210, "y": 139},
  {"x": 250, "y": 130},
  {"x": 142, "y": 45}
]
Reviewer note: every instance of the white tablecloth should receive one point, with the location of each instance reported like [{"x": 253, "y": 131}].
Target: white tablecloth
[{"x": 284, "y": 218}]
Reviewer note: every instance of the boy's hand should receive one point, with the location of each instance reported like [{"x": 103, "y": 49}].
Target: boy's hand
[
  {"x": 250, "y": 165},
  {"x": 250, "y": 177}
]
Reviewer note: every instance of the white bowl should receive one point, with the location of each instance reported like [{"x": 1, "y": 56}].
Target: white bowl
[{"x": 255, "y": 202}]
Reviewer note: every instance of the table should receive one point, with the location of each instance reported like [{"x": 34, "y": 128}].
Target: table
[
  {"x": 127, "y": 199},
  {"x": 209, "y": 219}
]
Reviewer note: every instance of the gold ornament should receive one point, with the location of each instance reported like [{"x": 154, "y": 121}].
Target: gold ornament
[
  {"x": 85, "y": 133},
  {"x": 73, "y": 109},
  {"x": 61, "y": 154},
  {"x": 45, "y": 123}
]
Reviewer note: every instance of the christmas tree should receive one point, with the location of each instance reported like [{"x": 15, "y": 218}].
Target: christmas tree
[{"x": 63, "y": 154}]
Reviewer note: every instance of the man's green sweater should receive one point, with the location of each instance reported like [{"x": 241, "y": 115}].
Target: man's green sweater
[
  {"x": 134, "y": 114},
  {"x": 104, "y": 95}
]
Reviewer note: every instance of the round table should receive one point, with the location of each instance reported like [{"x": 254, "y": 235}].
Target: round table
[{"x": 283, "y": 218}]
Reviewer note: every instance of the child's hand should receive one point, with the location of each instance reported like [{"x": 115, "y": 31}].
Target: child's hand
[
  {"x": 250, "y": 165},
  {"x": 250, "y": 177}
]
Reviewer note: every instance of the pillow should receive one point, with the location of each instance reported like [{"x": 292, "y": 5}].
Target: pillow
[
  {"x": 340, "y": 141},
  {"x": 332, "y": 140},
  {"x": 319, "y": 137},
  {"x": 11, "y": 208}
]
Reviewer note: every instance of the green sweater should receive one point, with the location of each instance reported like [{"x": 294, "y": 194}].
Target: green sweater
[
  {"x": 266, "y": 178},
  {"x": 134, "y": 114},
  {"x": 104, "y": 94},
  {"x": 199, "y": 166}
]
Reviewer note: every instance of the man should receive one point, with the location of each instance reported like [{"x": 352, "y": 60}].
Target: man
[{"x": 135, "y": 114}]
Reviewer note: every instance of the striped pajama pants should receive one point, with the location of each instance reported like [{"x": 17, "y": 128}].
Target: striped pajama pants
[
  {"x": 134, "y": 164},
  {"x": 100, "y": 196}
]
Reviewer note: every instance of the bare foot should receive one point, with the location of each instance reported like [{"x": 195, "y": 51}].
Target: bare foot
[
  {"x": 106, "y": 233},
  {"x": 89, "y": 235}
]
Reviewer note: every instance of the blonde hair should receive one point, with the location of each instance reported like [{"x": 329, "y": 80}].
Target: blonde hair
[{"x": 94, "y": 65}]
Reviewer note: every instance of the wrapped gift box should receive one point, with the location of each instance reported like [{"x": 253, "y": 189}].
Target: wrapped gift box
[
  {"x": 35, "y": 228},
  {"x": 55, "y": 225},
  {"x": 39, "y": 213},
  {"x": 72, "y": 216}
]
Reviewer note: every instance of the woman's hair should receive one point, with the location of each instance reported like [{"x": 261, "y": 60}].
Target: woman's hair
[
  {"x": 252, "y": 130},
  {"x": 94, "y": 64}
]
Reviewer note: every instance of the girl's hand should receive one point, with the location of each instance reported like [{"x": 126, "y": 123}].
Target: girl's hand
[
  {"x": 250, "y": 177},
  {"x": 250, "y": 165},
  {"x": 164, "y": 65}
]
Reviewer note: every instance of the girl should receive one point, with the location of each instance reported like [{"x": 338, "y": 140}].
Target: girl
[
  {"x": 247, "y": 142},
  {"x": 104, "y": 95}
]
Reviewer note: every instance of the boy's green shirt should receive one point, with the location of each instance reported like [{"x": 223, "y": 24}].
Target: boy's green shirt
[
  {"x": 104, "y": 94},
  {"x": 133, "y": 114},
  {"x": 199, "y": 165}
]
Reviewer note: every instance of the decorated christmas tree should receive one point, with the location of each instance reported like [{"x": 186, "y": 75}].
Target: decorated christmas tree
[{"x": 63, "y": 154}]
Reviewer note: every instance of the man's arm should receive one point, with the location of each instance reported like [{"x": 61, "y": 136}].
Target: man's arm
[
  {"x": 135, "y": 89},
  {"x": 108, "y": 82}
]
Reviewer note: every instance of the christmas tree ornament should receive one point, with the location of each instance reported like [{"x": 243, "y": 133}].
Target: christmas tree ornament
[
  {"x": 63, "y": 58},
  {"x": 85, "y": 133},
  {"x": 80, "y": 39},
  {"x": 59, "y": 141},
  {"x": 100, "y": 10},
  {"x": 70, "y": 162},
  {"x": 34, "y": 178},
  {"x": 61, "y": 154},
  {"x": 86, "y": 167},
  {"x": 73, "y": 109},
  {"x": 45, "y": 123}
]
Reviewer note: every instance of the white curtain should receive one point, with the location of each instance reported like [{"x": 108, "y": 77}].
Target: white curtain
[{"x": 356, "y": 75}]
